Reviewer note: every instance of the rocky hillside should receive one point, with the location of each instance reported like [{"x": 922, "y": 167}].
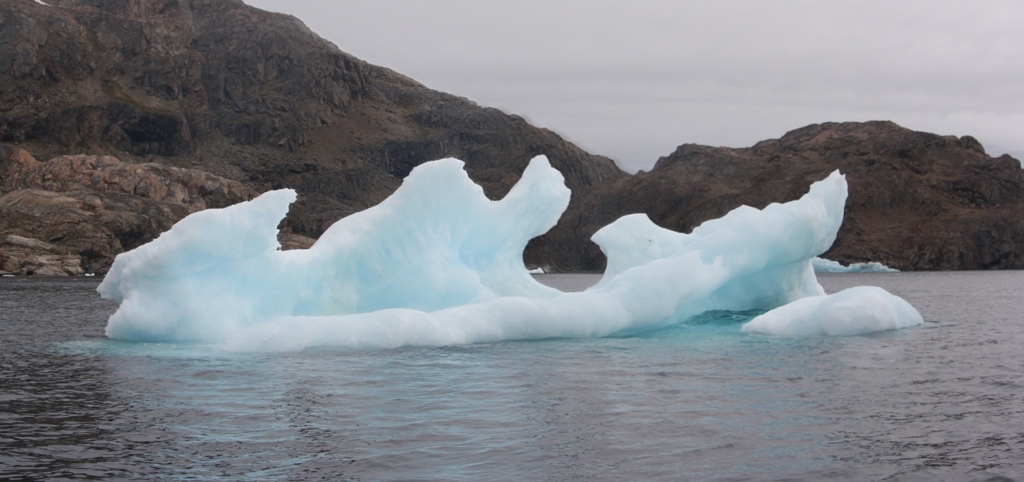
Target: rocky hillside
[
  {"x": 243, "y": 95},
  {"x": 119, "y": 117},
  {"x": 918, "y": 201}
]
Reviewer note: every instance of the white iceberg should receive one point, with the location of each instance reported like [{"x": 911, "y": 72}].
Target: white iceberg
[
  {"x": 853, "y": 311},
  {"x": 822, "y": 265},
  {"x": 438, "y": 263}
]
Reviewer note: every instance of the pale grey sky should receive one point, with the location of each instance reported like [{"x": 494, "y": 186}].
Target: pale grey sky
[{"x": 632, "y": 80}]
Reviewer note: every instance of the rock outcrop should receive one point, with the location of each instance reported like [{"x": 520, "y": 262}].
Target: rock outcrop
[
  {"x": 26, "y": 256},
  {"x": 918, "y": 201},
  {"x": 73, "y": 214}
]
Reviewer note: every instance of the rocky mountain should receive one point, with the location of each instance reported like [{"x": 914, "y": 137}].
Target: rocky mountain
[
  {"x": 240, "y": 94},
  {"x": 918, "y": 201},
  {"x": 119, "y": 117}
]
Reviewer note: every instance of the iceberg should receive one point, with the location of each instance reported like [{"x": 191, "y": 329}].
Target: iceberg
[
  {"x": 439, "y": 263},
  {"x": 853, "y": 311},
  {"x": 822, "y": 265}
]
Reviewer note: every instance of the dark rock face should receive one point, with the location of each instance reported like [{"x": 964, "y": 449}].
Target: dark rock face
[
  {"x": 917, "y": 201},
  {"x": 162, "y": 76},
  {"x": 251, "y": 96}
]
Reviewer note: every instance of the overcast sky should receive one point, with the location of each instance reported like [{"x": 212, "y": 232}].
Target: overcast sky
[{"x": 632, "y": 80}]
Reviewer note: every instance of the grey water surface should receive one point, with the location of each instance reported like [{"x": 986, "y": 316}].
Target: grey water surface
[{"x": 694, "y": 401}]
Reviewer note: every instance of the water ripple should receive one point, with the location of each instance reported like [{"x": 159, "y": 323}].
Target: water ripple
[{"x": 693, "y": 401}]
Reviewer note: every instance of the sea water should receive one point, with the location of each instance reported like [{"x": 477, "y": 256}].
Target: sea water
[{"x": 694, "y": 401}]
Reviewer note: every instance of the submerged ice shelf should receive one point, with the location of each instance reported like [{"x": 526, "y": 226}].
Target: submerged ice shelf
[
  {"x": 438, "y": 263},
  {"x": 853, "y": 311}
]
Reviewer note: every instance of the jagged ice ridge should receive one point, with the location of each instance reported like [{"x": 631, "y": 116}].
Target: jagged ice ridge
[{"x": 438, "y": 263}]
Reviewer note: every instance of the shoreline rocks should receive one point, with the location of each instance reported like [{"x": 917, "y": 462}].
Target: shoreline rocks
[{"x": 73, "y": 214}]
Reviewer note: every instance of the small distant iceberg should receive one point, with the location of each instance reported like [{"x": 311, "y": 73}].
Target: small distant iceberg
[
  {"x": 853, "y": 311},
  {"x": 535, "y": 270},
  {"x": 822, "y": 265}
]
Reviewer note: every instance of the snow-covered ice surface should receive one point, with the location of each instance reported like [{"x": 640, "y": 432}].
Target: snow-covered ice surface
[
  {"x": 853, "y": 311},
  {"x": 438, "y": 263},
  {"x": 822, "y": 265}
]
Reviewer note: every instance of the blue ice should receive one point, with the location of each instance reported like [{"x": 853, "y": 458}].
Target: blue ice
[{"x": 438, "y": 263}]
